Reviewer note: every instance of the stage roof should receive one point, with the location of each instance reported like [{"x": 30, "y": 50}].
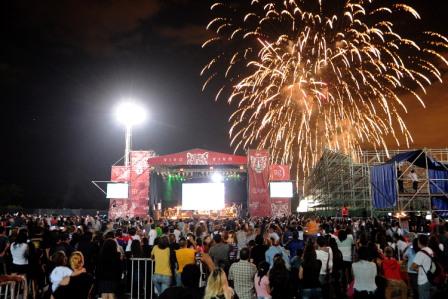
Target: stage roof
[{"x": 197, "y": 156}]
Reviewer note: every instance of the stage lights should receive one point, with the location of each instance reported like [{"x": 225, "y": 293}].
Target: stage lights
[{"x": 217, "y": 177}]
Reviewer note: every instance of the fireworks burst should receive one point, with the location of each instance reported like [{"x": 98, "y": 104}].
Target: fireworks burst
[{"x": 305, "y": 75}]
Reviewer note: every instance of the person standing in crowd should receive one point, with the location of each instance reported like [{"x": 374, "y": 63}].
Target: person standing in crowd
[
  {"x": 409, "y": 256},
  {"x": 219, "y": 252},
  {"x": 4, "y": 246},
  {"x": 414, "y": 178},
  {"x": 109, "y": 269},
  {"x": 273, "y": 233},
  {"x": 392, "y": 272},
  {"x": 345, "y": 244},
  {"x": 162, "y": 277},
  {"x": 309, "y": 273},
  {"x": 422, "y": 264},
  {"x": 60, "y": 271},
  {"x": 279, "y": 279},
  {"x": 325, "y": 255},
  {"x": 241, "y": 236},
  {"x": 19, "y": 251},
  {"x": 390, "y": 266},
  {"x": 261, "y": 281},
  {"x": 79, "y": 284},
  {"x": 152, "y": 234},
  {"x": 257, "y": 254},
  {"x": 294, "y": 244},
  {"x": 217, "y": 286},
  {"x": 242, "y": 275},
  {"x": 88, "y": 250},
  {"x": 337, "y": 270},
  {"x": 364, "y": 273},
  {"x": 184, "y": 257},
  {"x": 275, "y": 249},
  {"x": 133, "y": 234},
  {"x": 189, "y": 288}
]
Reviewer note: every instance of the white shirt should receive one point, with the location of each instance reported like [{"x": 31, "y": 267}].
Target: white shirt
[
  {"x": 346, "y": 248},
  {"x": 128, "y": 246},
  {"x": 57, "y": 275},
  {"x": 413, "y": 176},
  {"x": 401, "y": 245},
  {"x": 394, "y": 230},
  {"x": 18, "y": 253},
  {"x": 152, "y": 236},
  {"x": 323, "y": 257},
  {"x": 176, "y": 233},
  {"x": 241, "y": 236},
  {"x": 275, "y": 236},
  {"x": 424, "y": 263},
  {"x": 364, "y": 273}
]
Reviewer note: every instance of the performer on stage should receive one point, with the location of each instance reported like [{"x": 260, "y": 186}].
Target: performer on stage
[{"x": 345, "y": 211}]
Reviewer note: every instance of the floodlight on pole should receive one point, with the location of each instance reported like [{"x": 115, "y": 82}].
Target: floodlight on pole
[{"x": 129, "y": 114}]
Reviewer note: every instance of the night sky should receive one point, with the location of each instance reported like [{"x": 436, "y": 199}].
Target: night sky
[{"x": 64, "y": 64}]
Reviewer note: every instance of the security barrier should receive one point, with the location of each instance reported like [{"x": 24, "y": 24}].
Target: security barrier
[{"x": 141, "y": 278}]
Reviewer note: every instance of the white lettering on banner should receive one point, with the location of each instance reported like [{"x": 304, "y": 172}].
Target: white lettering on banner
[
  {"x": 279, "y": 172},
  {"x": 258, "y": 164},
  {"x": 197, "y": 159},
  {"x": 259, "y": 190}
]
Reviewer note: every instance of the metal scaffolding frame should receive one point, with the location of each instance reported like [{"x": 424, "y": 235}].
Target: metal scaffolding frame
[{"x": 339, "y": 179}]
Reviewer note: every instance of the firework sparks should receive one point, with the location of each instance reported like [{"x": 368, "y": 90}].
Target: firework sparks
[{"x": 305, "y": 75}]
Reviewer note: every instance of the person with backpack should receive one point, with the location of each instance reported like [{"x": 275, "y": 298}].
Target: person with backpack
[{"x": 423, "y": 264}]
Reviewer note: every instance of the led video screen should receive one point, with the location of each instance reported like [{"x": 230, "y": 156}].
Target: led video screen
[
  {"x": 281, "y": 189},
  {"x": 202, "y": 196},
  {"x": 117, "y": 190}
]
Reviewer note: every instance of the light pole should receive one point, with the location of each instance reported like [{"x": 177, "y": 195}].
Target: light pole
[{"x": 129, "y": 114}]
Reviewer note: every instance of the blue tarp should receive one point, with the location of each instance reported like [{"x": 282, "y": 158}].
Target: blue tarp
[
  {"x": 439, "y": 181},
  {"x": 440, "y": 204},
  {"x": 384, "y": 187},
  {"x": 383, "y": 179},
  {"x": 420, "y": 159}
]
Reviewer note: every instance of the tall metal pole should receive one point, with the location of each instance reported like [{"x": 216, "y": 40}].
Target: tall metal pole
[{"x": 127, "y": 149}]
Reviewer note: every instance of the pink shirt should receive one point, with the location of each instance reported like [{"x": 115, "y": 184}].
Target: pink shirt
[{"x": 262, "y": 289}]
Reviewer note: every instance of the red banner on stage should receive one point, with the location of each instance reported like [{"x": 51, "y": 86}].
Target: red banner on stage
[
  {"x": 258, "y": 173},
  {"x": 139, "y": 189},
  {"x": 119, "y": 174},
  {"x": 279, "y": 172},
  {"x": 198, "y": 157},
  {"x": 137, "y": 176}
]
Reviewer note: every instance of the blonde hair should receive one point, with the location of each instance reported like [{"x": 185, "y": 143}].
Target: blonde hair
[
  {"x": 216, "y": 283},
  {"x": 76, "y": 260}
]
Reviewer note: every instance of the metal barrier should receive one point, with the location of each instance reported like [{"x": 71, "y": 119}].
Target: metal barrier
[
  {"x": 141, "y": 267},
  {"x": 13, "y": 287}
]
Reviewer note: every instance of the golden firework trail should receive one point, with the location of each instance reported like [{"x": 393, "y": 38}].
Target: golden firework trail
[{"x": 305, "y": 75}]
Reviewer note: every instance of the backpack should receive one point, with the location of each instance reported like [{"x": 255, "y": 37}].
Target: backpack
[{"x": 435, "y": 274}]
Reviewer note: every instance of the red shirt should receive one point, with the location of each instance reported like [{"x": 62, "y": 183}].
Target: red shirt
[
  {"x": 391, "y": 269},
  {"x": 344, "y": 211}
]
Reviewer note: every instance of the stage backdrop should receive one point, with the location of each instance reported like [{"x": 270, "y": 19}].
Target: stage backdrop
[
  {"x": 280, "y": 206},
  {"x": 118, "y": 207},
  {"x": 258, "y": 175},
  {"x": 137, "y": 177}
]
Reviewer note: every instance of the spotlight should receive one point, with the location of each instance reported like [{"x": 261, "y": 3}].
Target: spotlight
[{"x": 217, "y": 177}]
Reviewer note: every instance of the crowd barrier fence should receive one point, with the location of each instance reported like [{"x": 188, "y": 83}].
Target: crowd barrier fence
[{"x": 141, "y": 277}]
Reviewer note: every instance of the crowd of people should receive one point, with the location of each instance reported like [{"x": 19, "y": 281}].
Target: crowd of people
[{"x": 264, "y": 258}]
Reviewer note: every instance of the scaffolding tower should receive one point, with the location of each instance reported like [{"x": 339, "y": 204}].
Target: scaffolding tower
[{"x": 339, "y": 179}]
